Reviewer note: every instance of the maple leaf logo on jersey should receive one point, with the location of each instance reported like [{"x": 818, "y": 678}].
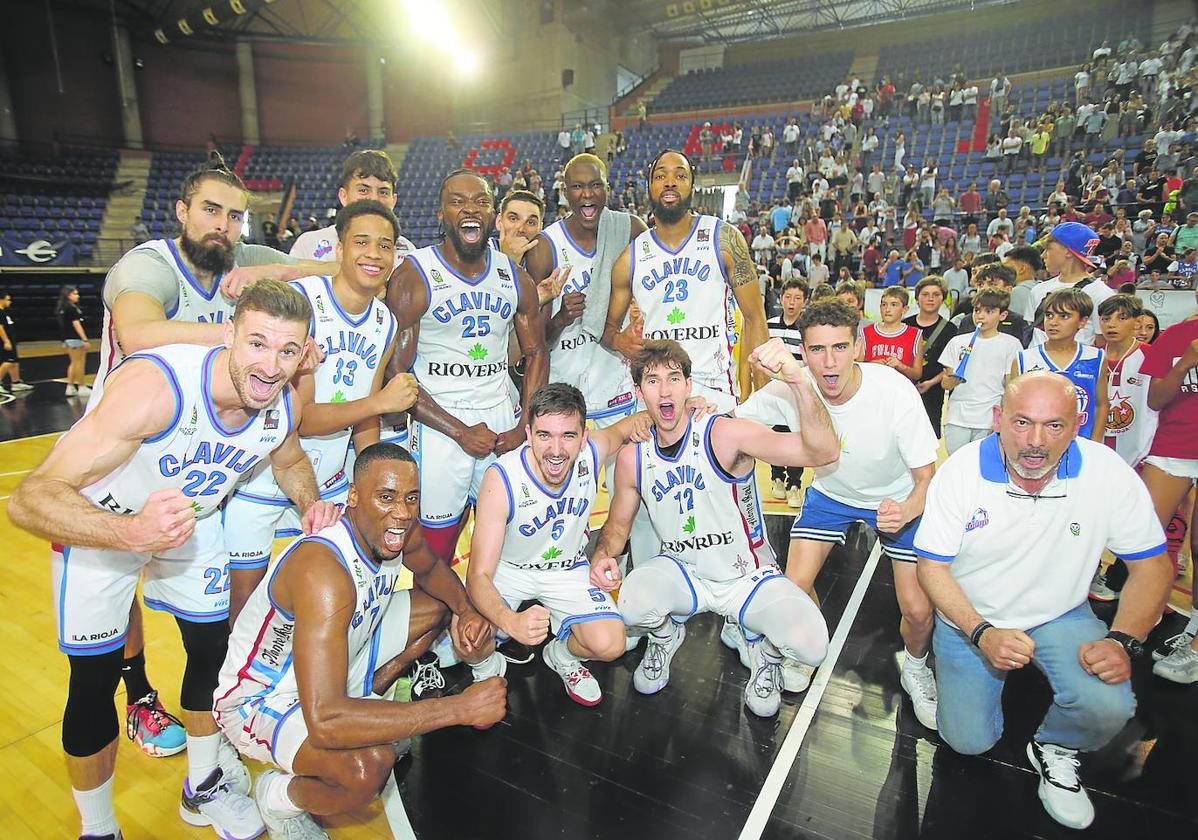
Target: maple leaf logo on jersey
[
  {"x": 477, "y": 352},
  {"x": 197, "y": 507},
  {"x": 677, "y": 316},
  {"x": 689, "y": 527},
  {"x": 551, "y": 553},
  {"x": 338, "y": 397}
]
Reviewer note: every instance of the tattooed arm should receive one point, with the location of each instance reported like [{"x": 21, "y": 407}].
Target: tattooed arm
[{"x": 742, "y": 276}]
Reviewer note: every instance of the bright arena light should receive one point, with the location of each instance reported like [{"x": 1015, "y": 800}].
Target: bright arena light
[{"x": 430, "y": 20}]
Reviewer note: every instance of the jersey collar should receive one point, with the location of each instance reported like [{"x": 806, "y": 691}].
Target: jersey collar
[{"x": 994, "y": 467}]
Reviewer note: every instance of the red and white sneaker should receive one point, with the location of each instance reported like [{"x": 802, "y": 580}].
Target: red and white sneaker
[{"x": 581, "y": 686}]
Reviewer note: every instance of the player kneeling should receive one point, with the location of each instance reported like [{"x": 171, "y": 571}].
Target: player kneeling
[
  {"x": 530, "y": 540},
  {"x": 326, "y": 633},
  {"x": 696, "y": 478}
]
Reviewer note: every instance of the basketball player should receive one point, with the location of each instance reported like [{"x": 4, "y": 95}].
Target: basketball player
[
  {"x": 696, "y": 478},
  {"x": 366, "y": 174},
  {"x": 680, "y": 275},
  {"x": 575, "y": 355},
  {"x": 342, "y": 399},
  {"x": 455, "y": 304},
  {"x": 131, "y": 493},
  {"x": 887, "y": 458},
  {"x": 168, "y": 291},
  {"x": 530, "y": 540},
  {"x": 519, "y": 221},
  {"x": 325, "y": 637}
]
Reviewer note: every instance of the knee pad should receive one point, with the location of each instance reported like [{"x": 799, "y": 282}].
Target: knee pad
[
  {"x": 89, "y": 722},
  {"x": 206, "y": 645}
]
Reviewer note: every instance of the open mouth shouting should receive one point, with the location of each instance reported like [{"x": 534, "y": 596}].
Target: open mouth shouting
[
  {"x": 471, "y": 231},
  {"x": 667, "y": 409},
  {"x": 589, "y": 212},
  {"x": 261, "y": 388},
  {"x": 555, "y": 466},
  {"x": 670, "y": 197},
  {"x": 393, "y": 539}
]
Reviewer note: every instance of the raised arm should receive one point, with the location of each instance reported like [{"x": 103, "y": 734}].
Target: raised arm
[
  {"x": 626, "y": 342},
  {"x": 48, "y": 501},
  {"x": 742, "y": 277},
  {"x": 141, "y": 324}
]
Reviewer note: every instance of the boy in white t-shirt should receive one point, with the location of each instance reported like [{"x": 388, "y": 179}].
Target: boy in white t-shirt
[{"x": 975, "y": 370}]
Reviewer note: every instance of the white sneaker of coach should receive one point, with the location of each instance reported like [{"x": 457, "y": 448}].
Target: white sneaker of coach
[
  {"x": 1061, "y": 791},
  {"x": 920, "y": 684}
]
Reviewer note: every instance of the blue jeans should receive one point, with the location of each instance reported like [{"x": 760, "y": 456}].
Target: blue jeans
[{"x": 1085, "y": 714}]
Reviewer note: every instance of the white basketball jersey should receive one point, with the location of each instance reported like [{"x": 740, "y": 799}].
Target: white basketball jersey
[
  {"x": 705, "y": 517},
  {"x": 461, "y": 356},
  {"x": 194, "y": 305},
  {"x": 354, "y": 347},
  {"x": 547, "y": 530},
  {"x": 577, "y": 357},
  {"x": 1130, "y": 424},
  {"x": 196, "y": 453},
  {"x": 258, "y": 666},
  {"x": 684, "y": 296}
]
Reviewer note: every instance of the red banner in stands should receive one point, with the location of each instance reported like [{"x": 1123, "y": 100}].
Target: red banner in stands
[{"x": 472, "y": 156}]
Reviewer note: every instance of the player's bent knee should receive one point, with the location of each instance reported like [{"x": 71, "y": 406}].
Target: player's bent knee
[
  {"x": 206, "y": 644},
  {"x": 605, "y": 639},
  {"x": 89, "y": 721},
  {"x": 366, "y": 775}
]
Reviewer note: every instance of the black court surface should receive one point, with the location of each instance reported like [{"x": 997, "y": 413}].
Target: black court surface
[{"x": 693, "y": 762}]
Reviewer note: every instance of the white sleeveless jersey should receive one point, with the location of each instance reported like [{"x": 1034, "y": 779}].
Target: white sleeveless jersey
[
  {"x": 461, "y": 356},
  {"x": 195, "y": 453},
  {"x": 258, "y": 666},
  {"x": 684, "y": 296},
  {"x": 354, "y": 347},
  {"x": 1130, "y": 424},
  {"x": 194, "y": 305},
  {"x": 547, "y": 530},
  {"x": 705, "y": 517},
  {"x": 577, "y": 357}
]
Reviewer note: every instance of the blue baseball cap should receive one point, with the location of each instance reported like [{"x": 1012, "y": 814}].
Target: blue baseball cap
[{"x": 1078, "y": 239}]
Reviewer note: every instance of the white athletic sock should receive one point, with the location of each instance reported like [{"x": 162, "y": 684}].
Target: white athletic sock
[
  {"x": 1192, "y": 627},
  {"x": 492, "y": 666},
  {"x": 277, "y": 799},
  {"x": 914, "y": 663},
  {"x": 203, "y": 756},
  {"x": 95, "y": 809}
]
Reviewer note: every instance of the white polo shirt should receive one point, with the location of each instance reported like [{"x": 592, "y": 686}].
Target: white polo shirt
[{"x": 1024, "y": 560}]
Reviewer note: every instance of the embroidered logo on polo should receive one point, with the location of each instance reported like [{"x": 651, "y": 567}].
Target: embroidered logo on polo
[{"x": 980, "y": 519}]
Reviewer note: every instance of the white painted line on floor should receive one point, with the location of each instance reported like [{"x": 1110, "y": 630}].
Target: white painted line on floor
[{"x": 771, "y": 788}]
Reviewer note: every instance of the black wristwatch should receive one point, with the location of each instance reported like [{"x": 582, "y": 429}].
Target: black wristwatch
[{"x": 1129, "y": 643}]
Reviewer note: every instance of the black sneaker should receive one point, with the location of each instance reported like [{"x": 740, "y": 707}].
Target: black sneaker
[
  {"x": 117, "y": 836},
  {"x": 426, "y": 680}
]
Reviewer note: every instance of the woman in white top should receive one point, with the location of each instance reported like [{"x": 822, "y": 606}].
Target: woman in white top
[
  {"x": 1058, "y": 195},
  {"x": 1081, "y": 84},
  {"x": 900, "y": 149}
]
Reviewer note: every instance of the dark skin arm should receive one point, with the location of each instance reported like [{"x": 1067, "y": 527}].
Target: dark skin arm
[
  {"x": 626, "y": 342},
  {"x": 742, "y": 277},
  {"x": 539, "y": 262},
  {"x": 407, "y": 298},
  {"x": 313, "y": 586},
  {"x": 530, "y": 332}
]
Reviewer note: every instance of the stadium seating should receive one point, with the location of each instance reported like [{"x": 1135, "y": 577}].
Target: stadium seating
[
  {"x": 747, "y": 84},
  {"x": 56, "y": 198}
]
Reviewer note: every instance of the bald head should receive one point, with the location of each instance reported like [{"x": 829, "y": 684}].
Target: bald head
[{"x": 1036, "y": 421}]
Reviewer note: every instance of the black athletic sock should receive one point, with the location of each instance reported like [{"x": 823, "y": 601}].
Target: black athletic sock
[{"x": 133, "y": 672}]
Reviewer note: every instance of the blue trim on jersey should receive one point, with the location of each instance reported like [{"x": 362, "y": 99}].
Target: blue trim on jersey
[
  {"x": 274, "y": 738},
  {"x": 256, "y": 499},
  {"x": 516, "y": 280},
  {"x": 345, "y": 316},
  {"x": 170, "y": 375},
  {"x": 725, "y": 476},
  {"x": 689, "y": 585},
  {"x": 943, "y": 558},
  {"x": 206, "y": 396},
  {"x": 290, "y": 410},
  {"x": 295, "y": 284},
  {"x": 1143, "y": 555},
  {"x": 678, "y": 455},
  {"x": 740, "y": 616},
  {"x": 590, "y": 255},
  {"x": 428, "y": 287},
  {"x": 637, "y": 450},
  {"x": 362, "y": 555},
  {"x": 191, "y": 278},
  {"x": 189, "y": 615},
  {"x": 568, "y": 623},
  {"x": 719, "y": 258},
  {"x": 531, "y": 474},
  {"x": 507, "y": 485},
  {"x": 284, "y": 533},
  {"x": 253, "y": 563},
  {"x": 108, "y": 646},
  {"x": 368, "y": 680},
  {"x": 462, "y": 277},
  {"x": 673, "y": 252},
  {"x": 626, "y": 409}
]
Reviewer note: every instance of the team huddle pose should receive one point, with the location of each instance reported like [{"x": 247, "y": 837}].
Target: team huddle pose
[{"x": 272, "y": 394}]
